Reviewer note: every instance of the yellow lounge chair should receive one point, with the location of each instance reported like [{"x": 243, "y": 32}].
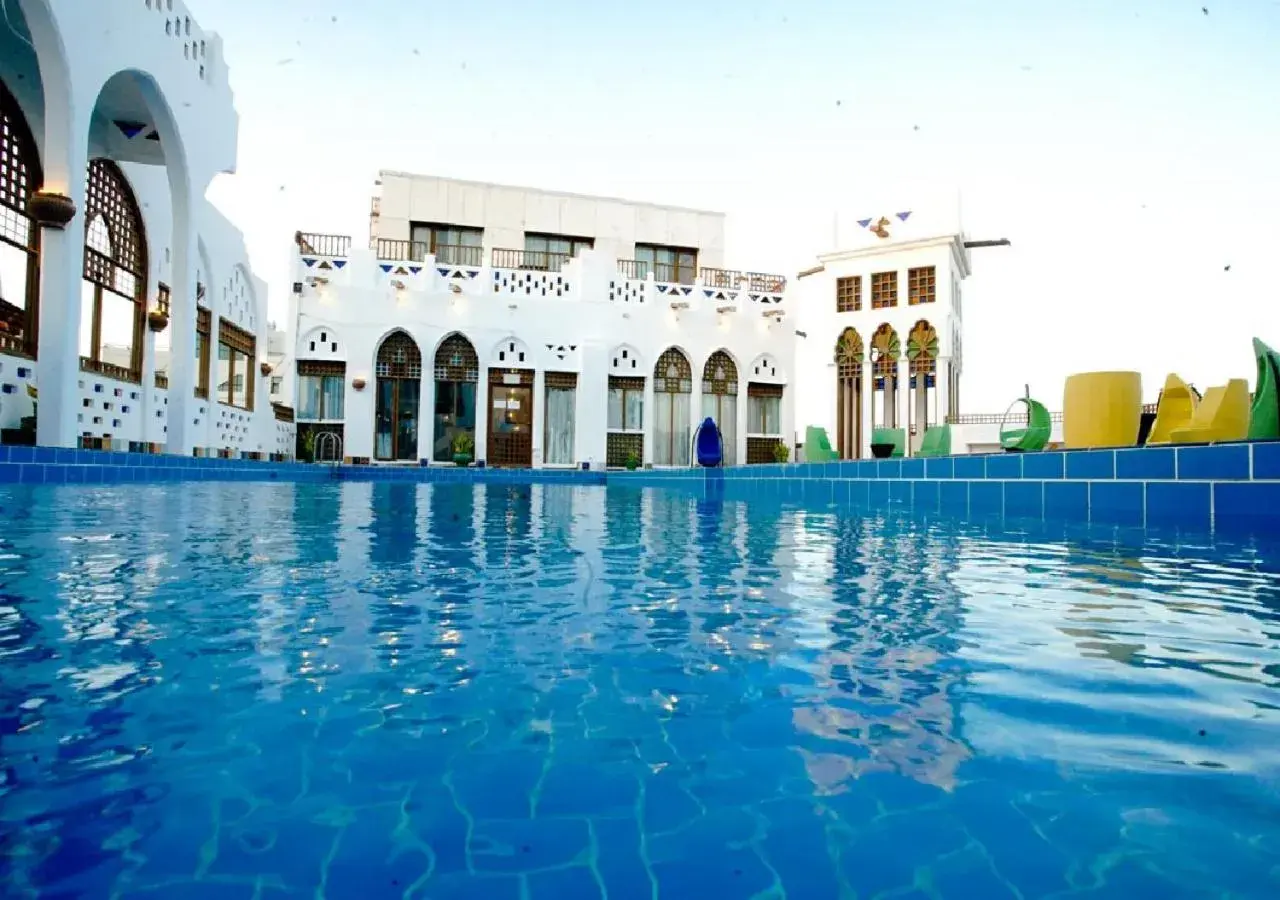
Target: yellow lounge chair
[
  {"x": 1222, "y": 415},
  {"x": 1176, "y": 410}
]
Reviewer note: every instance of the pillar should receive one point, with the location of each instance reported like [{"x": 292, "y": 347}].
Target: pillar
[
  {"x": 61, "y": 270},
  {"x": 649, "y": 414},
  {"x": 740, "y": 437},
  {"x": 695, "y": 415},
  {"x": 427, "y": 412},
  {"x": 902, "y": 401},
  {"x": 591, "y": 413},
  {"x": 484, "y": 404},
  {"x": 539, "y": 418},
  {"x": 868, "y": 407},
  {"x": 183, "y": 432}
]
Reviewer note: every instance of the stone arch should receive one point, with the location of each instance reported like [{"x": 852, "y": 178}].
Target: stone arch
[
  {"x": 322, "y": 342},
  {"x": 20, "y": 177},
  {"x": 116, "y": 269},
  {"x": 456, "y": 359},
  {"x": 672, "y": 425},
  {"x": 673, "y": 373},
  {"x": 885, "y": 351},
  {"x": 626, "y": 361},
  {"x": 60, "y": 125},
  {"x": 511, "y": 353},
  {"x": 398, "y": 356},
  {"x": 397, "y": 395}
]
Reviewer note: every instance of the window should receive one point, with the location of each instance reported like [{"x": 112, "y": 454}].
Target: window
[
  {"x": 884, "y": 290},
  {"x": 548, "y": 252},
  {"x": 849, "y": 294},
  {"x": 277, "y": 383},
  {"x": 236, "y": 359},
  {"x": 626, "y": 404},
  {"x": 674, "y": 265},
  {"x": 455, "y": 245},
  {"x": 321, "y": 389},
  {"x": 764, "y": 409},
  {"x": 20, "y": 177},
  {"x": 922, "y": 285},
  {"x": 204, "y": 325},
  {"x": 562, "y": 396}
]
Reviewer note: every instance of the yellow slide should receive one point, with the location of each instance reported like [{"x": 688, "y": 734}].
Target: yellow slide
[
  {"x": 1176, "y": 410},
  {"x": 1223, "y": 415}
]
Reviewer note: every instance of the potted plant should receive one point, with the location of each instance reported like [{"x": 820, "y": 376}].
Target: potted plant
[
  {"x": 27, "y": 424},
  {"x": 463, "y": 446},
  {"x": 780, "y": 452},
  {"x": 633, "y": 462},
  {"x": 309, "y": 446},
  {"x": 157, "y": 320}
]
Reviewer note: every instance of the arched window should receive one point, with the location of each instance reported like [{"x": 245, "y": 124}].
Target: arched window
[
  {"x": 922, "y": 354},
  {"x": 720, "y": 400},
  {"x": 398, "y": 368},
  {"x": 672, "y": 386},
  {"x": 113, "y": 298},
  {"x": 20, "y": 177},
  {"x": 457, "y": 370},
  {"x": 849, "y": 356},
  {"x": 885, "y": 352}
]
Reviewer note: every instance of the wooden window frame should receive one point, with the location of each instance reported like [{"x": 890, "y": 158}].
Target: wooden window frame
[
  {"x": 922, "y": 285},
  {"x": 20, "y": 177},
  {"x": 236, "y": 339},
  {"x": 204, "y": 329},
  {"x": 884, "y": 290},
  {"x": 678, "y": 272},
  {"x": 849, "y": 294},
  {"x": 628, "y": 384}
]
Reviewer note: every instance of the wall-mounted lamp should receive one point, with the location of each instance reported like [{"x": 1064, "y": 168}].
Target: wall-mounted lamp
[
  {"x": 52, "y": 209},
  {"x": 358, "y": 383}
]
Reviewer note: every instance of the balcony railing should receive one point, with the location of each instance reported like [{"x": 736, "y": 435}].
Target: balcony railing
[
  {"x": 533, "y": 260},
  {"x": 323, "y": 244},
  {"x": 110, "y": 370},
  {"x": 414, "y": 251},
  {"x": 459, "y": 255},
  {"x": 635, "y": 269},
  {"x": 997, "y": 418},
  {"x": 758, "y": 282}
]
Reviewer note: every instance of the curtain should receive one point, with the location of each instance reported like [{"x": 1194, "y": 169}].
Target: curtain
[
  {"x": 559, "y": 437},
  {"x": 681, "y": 435},
  {"x": 662, "y": 455},
  {"x": 333, "y": 388},
  {"x": 309, "y": 397}
]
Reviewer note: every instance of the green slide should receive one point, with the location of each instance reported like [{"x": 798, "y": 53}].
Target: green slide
[
  {"x": 1264, "y": 415},
  {"x": 816, "y": 446},
  {"x": 895, "y": 436},
  {"x": 936, "y": 442},
  {"x": 1028, "y": 431}
]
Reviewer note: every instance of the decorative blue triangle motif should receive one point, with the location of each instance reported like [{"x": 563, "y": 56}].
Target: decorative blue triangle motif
[
  {"x": 130, "y": 129},
  {"x": 444, "y": 272},
  {"x": 686, "y": 291},
  {"x": 755, "y": 298},
  {"x": 472, "y": 273},
  {"x": 385, "y": 267},
  {"x": 339, "y": 263},
  {"x": 415, "y": 269},
  {"x": 902, "y": 216},
  {"x": 709, "y": 293},
  {"x": 308, "y": 261},
  {"x": 865, "y": 223},
  {"x": 662, "y": 289}
]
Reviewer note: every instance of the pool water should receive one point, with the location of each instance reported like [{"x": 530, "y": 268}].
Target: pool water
[{"x": 552, "y": 692}]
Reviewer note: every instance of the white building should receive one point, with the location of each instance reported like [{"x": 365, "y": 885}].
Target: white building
[
  {"x": 882, "y": 322},
  {"x": 110, "y": 257},
  {"x": 554, "y": 329}
]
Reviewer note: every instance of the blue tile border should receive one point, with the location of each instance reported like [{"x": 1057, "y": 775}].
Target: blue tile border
[{"x": 1223, "y": 486}]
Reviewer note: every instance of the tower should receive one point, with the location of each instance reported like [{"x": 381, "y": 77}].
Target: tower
[{"x": 881, "y": 320}]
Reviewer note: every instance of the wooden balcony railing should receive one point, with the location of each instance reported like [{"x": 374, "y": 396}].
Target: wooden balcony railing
[
  {"x": 162, "y": 380},
  {"x": 459, "y": 255},
  {"x": 760, "y": 282},
  {"x": 323, "y": 244},
  {"x": 110, "y": 370},
  {"x": 633, "y": 268},
  {"x": 534, "y": 260},
  {"x": 411, "y": 251}
]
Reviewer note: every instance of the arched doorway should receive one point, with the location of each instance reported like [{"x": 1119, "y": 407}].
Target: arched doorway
[
  {"x": 849, "y": 356},
  {"x": 113, "y": 297},
  {"x": 20, "y": 177},
  {"x": 510, "y": 435},
  {"x": 885, "y": 352},
  {"x": 672, "y": 389},
  {"x": 399, "y": 383},
  {"x": 922, "y": 356},
  {"x": 720, "y": 400},
  {"x": 457, "y": 371}
]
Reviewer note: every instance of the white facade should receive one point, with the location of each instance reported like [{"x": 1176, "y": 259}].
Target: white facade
[
  {"x": 153, "y": 101},
  {"x": 581, "y": 320},
  {"x": 926, "y": 262}
]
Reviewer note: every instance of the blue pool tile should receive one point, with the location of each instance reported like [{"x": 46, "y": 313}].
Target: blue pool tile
[
  {"x": 1254, "y": 506},
  {"x": 889, "y": 468},
  {"x": 1179, "y": 503},
  {"x": 899, "y": 491},
  {"x": 953, "y": 497},
  {"x": 939, "y": 467},
  {"x": 1091, "y": 464},
  {"x": 32, "y": 473},
  {"x": 1007, "y": 465},
  {"x": 1146, "y": 463},
  {"x": 1224, "y": 462},
  {"x": 912, "y": 468},
  {"x": 816, "y": 490},
  {"x": 1266, "y": 460},
  {"x": 22, "y": 454},
  {"x": 1043, "y": 465},
  {"x": 1024, "y": 498},
  {"x": 860, "y": 493},
  {"x": 986, "y": 497},
  {"x": 848, "y": 469},
  {"x": 1117, "y": 502},
  {"x": 44, "y": 454},
  {"x": 1066, "y": 500},
  {"x": 971, "y": 467},
  {"x": 878, "y": 494},
  {"x": 10, "y": 473},
  {"x": 925, "y": 496}
]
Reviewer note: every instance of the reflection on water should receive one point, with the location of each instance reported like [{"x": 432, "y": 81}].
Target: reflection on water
[{"x": 538, "y": 691}]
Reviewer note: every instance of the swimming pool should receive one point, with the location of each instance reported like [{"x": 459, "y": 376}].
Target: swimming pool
[{"x": 495, "y": 691}]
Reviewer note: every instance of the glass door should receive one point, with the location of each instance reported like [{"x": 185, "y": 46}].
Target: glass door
[
  {"x": 395, "y": 435},
  {"x": 562, "y": 396}
]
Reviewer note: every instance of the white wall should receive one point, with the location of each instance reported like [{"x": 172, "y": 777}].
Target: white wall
[
  {"x": 506, "y": 213},
  {"x": 573, "y": 321}
]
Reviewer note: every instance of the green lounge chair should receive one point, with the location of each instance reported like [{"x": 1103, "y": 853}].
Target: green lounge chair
[
  {"x": 1264, "y": 415},
  {"x": 936, "y": 441},
  {"x": 1027, "y": 432},
  {"x": 816, "y": 446},
  {"x": 895, "y": 436}
]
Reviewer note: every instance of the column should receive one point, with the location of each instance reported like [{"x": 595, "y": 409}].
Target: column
[
  {"x": 207, "y": 407},
  {"x": 902, "y": 402},
  {"x": 650, "y": 404},
  {"x": 427, "y": 414},
  {"x": 591, "y": 412},
  {"x": 740, "y": 438},
  {"x": 147, "y": 389},
  {"x": 59, "y": 208},
  {"x": 868, "y": 407},
  {"x": 539, "y": 418},
  {"x": 484, "y": 409},
  {"x": 695, "y": 415},
  {"x": 183, "y": 432},
  {"x": 943, "y": 391}
]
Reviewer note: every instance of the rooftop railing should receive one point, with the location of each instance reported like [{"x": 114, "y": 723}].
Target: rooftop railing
[
  {"x": 338, "y": 245},
  {"x": 731, "y": 279},
  {"x": 532, "y": 260}
]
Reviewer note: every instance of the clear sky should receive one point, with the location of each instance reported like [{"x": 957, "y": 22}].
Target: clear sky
[{"x": 1130, "y": 149}]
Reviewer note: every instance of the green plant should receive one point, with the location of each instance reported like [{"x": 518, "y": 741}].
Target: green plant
[
  {"x": 780, "y": 452},
  {"x": 633, "y": 461},
  {"x": 309, "y": 446},
  {"x": 463, "y": 443}
]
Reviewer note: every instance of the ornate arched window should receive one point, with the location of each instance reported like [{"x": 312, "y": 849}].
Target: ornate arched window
[
  {"x": 399, "y": 357},
  {"x": 672, "y": 387},
  {"x": 457, "y": 371},
  {"x": 885, "y": 350},
  {"x": 398, "y": 367},
  {"x": 922, "y": 348},
  {"x": 849, "y": 353},
  {"x": 720, "y": 400},
  {"x": 456, "y": 360},
  {"x": 720, "y": 375},
  {"x": 849, "y": 357},
  {"x": 20, "y": 177},
  {"x": 673, "y": 374},
  {"x": 115, "y": 275}
]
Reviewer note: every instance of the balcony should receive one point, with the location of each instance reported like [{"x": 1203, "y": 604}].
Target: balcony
[
  {"x": 721, "y": 279},
  {"x": 331, "y": 245},
  {"x": 418, "y": 251},
  {"x": 529, "y": 260}
]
